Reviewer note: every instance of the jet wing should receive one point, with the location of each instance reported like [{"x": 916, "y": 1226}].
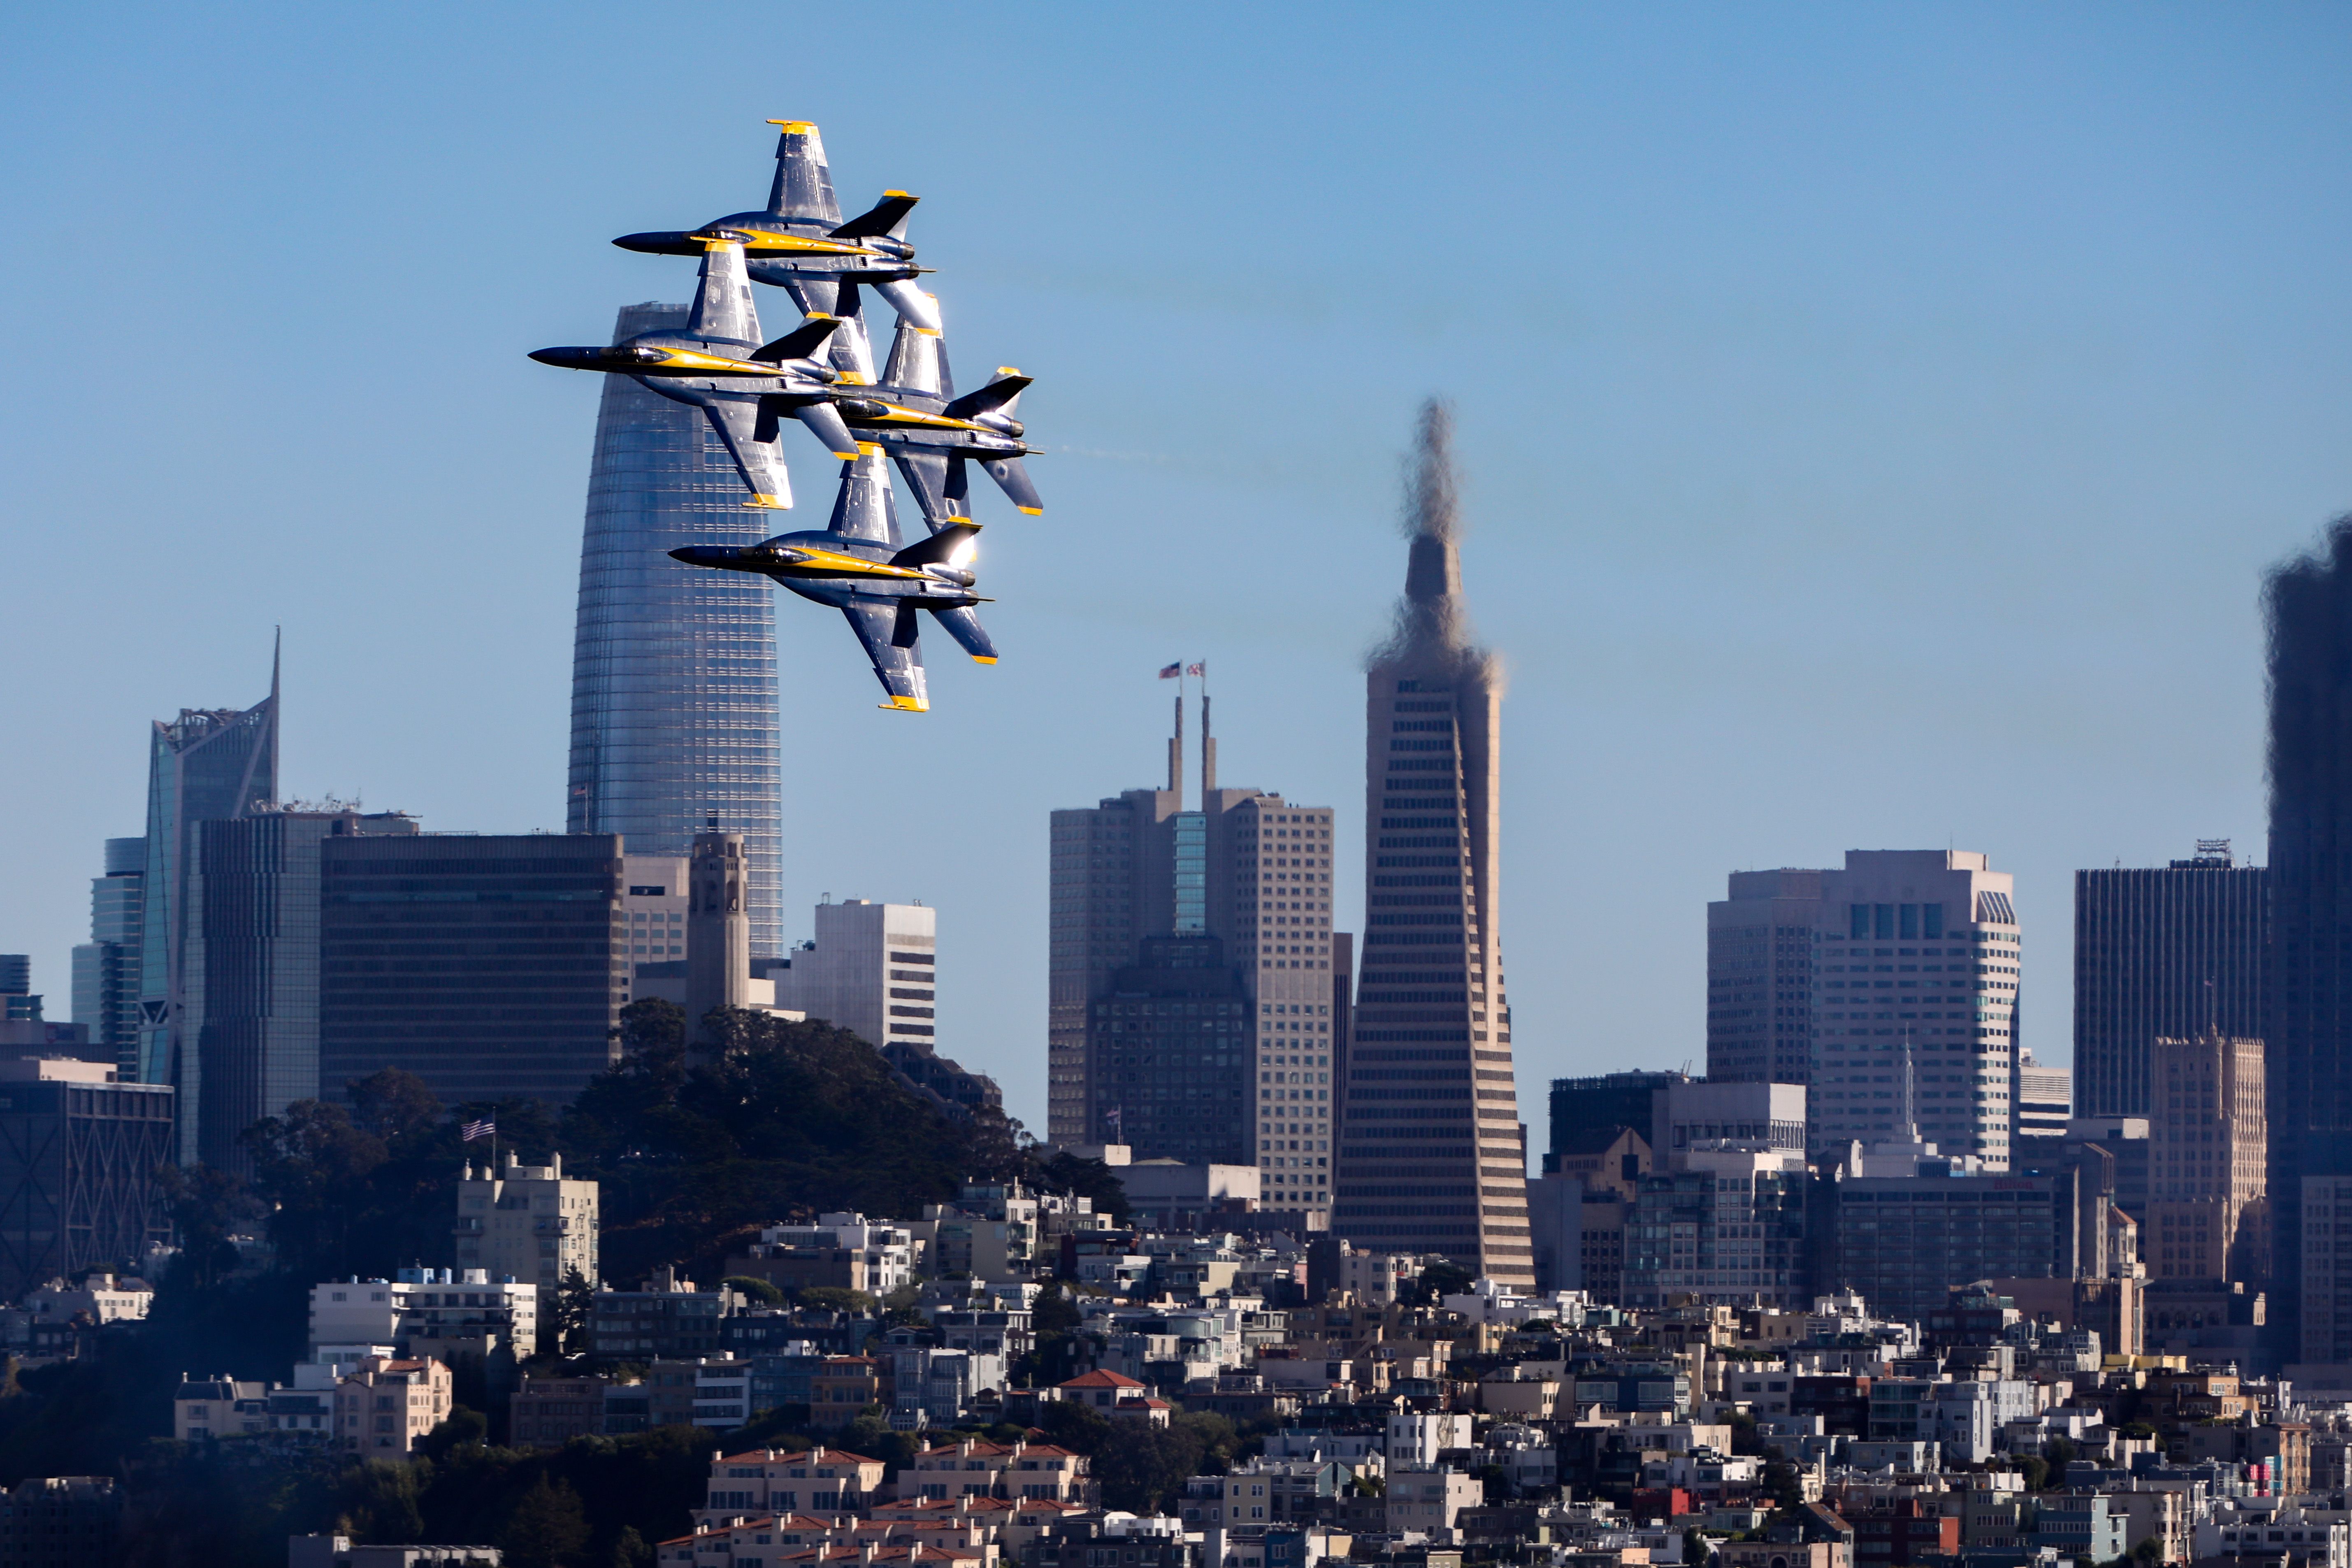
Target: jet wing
[
  {"x": 890, "y": 632},
  {"x": 761, "y": 462}
]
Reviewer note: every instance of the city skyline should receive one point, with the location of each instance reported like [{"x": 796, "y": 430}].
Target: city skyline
[{"x": 1982, "y": 376}]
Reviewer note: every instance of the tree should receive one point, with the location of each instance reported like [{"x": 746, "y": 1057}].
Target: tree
[
  {"x": 546, "y": 1528},
  {"x": 392, "y": 1104},
  {"x": 576, "y": 1307},
  {"x": 206, "y": 1206}
]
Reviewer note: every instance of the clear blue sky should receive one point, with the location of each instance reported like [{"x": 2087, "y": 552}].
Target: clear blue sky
[{"x": 1877, "y": 420}]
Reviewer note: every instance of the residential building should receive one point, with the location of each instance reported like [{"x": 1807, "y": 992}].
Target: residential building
[
  {"x": 61, "y": 1522},
  {"x": 529, "y": 1223},
  {"x": 1433, "y": 1157},
  {"x": 2172, "y": 951},
  {"x": 210, "y": 1408},
  {"x": 207, "y": 765},
  {"x": 1179, "y": 1199},
  {"x": 825, "y": 1482},
  {"x": 340, "y": 1552},
  {"x": 549, "y": 1412},
  {"x": 490, "y": 967},
  {"x": 675, "y": 716},
  {"x": 384, "y": 1406},
  {"x": 248, "y": 1013},
  {"x": 2207, "y": 1215},
  {"x": 79, "y": 1150},
  {"x": 106, "y": 967},
  {"x": 2041, "y": 1097},
  {"x": 429, "y": 1311},
  {"x": 1195, "y": 980},
  {"x": 1428, "y": 1497},
  {"x": 843, "y": 1251},
  {"x": 665, "y": 1318},
  {"x": 2306, "y": 979}
]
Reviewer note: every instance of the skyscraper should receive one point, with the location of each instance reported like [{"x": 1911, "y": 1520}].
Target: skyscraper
[
  {"x": 1192, "y": 967},
  {"x": 673, "y": 717},
  {"x": 1915, "y": 1003},
  {"x": 106, "y": 967},
  {"x": 1761, "y": 950},
  {"x": 2169, "y": 952},
  {"x": 2306, "y": 979},
  {"x": 491, "y": 966},
  {"x": 210, "y": 764},
  {"x": 250, "y": 1017},
  {"x": 1433, "y": 1157},
  {"x": 2206, "y": 1217},
  {"x": 873, "y": 969}
]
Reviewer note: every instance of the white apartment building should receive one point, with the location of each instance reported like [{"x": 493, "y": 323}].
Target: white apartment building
[
  {"x": 430, "y": 1306},
  {"x": 872, "y": 970},
  {"x": 529, "y": 1223},
  {"x": 1898, "y": 971},
  {"x": 888, "y": 1249}
]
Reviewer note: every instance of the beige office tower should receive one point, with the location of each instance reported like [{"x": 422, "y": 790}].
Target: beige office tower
[
  {"x": 1914, "y": 1004},
  {"x": 1761, "y": 944},
  {"x": 1431, "y": 1154},
  {"x": 2208, "y": 1146},
  {"x": 532, "y": 1222}
]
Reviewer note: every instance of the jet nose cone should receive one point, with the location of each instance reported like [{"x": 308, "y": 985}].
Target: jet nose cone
[
  {"x": 568, "y": 359},
  {"x": 706, "y": 554}
]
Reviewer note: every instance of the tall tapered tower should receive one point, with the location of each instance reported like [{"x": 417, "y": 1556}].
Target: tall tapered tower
[{"x": 1432, "y": 1155}]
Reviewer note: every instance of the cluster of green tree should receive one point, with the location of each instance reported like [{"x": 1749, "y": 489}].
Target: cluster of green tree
[
  {"x": 694, "y": 1152},
  {"x": 594, "y": 1503}
]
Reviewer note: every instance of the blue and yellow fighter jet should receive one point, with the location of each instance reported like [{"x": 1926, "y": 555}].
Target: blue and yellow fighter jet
[
  {"x": 719, "y": 366},
  {"x": 801, "y": 244},
  {"x": 856, "y": 565},
  {"x": 915, "y": 414}
]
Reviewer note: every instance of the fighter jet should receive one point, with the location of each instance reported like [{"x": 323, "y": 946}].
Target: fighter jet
[
  {"x": 720, "y": 367},
  {"x": 801, "y": 244},
  {"x": 915, "y": 414},
  {"x": 856, "y": 565}
]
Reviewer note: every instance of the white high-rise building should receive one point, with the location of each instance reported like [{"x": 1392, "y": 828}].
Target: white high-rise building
[
  {"x": 530, "y": 1223},
  {"x": 872, "y": 970},
  {"x": 1901, "y": 968}
]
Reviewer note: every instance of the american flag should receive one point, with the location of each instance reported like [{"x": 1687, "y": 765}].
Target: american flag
[
  {"x": 1173, "y": 672},
  {"x": 473, "y": 1129}
]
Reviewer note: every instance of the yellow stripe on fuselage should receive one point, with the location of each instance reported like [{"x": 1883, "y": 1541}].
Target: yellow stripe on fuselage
[
  {"x": 833, "y": 563},
  {"x": 685, "y": 361}
]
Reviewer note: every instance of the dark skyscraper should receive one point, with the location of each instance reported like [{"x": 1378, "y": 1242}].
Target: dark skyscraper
[
  {"x": 252, "y": 997},
  {"x": 2307, "y": 978},
  {"x": 2172, "y": 953},
  {"x": 1432, "y": 1157},
  {"x": 492, "y": 967},
  {"x": 209, "y": 764},
  {"x": 673, "y": 715}
]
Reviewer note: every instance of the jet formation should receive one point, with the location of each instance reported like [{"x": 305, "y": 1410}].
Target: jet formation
[{"x": 821, "y": 375}]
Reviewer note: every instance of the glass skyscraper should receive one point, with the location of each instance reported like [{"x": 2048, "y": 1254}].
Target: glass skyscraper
[
  {"x": 210, "y": 764},
  {"x": 673, "y": 721},
  {"x": 106, "y": 967}
]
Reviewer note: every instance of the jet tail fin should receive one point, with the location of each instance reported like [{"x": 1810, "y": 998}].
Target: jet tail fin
[
  {"x": 800, "y": 343},
  {"x": 804, "y": 187},
  {"x": 1012, "y": 477},
  {"x": 887, "y": 219},
  {"x": 962, "y": 624},
  {"x": 936, "y": 550},
  {"x": 999, "y": 397}
]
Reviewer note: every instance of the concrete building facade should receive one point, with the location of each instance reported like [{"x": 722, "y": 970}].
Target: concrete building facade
[{"x": 529, "y": 1223}]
